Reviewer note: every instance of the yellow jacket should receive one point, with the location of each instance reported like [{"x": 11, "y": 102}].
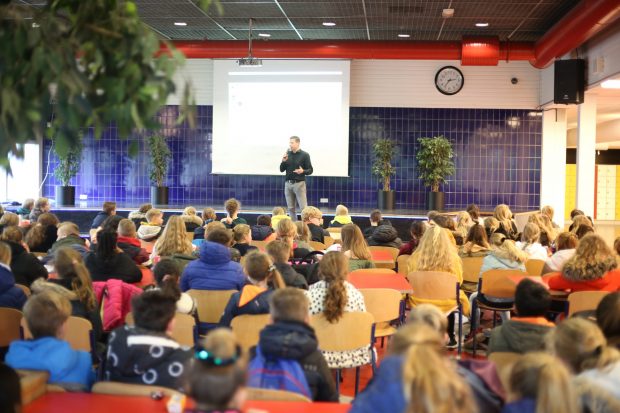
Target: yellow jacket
[{"x": 277, "y": 218}]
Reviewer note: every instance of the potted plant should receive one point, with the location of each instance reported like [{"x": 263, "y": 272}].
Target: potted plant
[
  {"x": 384, "y": 151},
  {"x": 69, "y": 159},
  {"x": 160, "y": 158},
  {"x": 434, "y": 166}
]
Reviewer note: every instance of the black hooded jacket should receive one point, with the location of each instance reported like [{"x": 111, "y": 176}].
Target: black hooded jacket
[
  {"x": 385, "y": 236},
  {"x": 25, "y": 267}
]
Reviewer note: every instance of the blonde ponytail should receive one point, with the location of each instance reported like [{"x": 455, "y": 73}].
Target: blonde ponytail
[{"x": 69, "y": 265}]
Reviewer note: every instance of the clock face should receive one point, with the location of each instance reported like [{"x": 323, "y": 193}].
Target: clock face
[{"x": 449, "y": 80}]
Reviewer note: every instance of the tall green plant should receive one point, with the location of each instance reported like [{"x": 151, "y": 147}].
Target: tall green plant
[
  {"x": 69, "y": 164},
  {"x": 384, "y": 151},
  {"x": 160, "y": 158},
  {"x": 435, "y": 161}
]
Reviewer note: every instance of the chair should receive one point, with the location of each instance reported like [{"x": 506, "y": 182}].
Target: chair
[
  {"x": 335, "y": 232},
  {"x": 247, "y": 329},
  {"x": 534, "y": 267},
  {"x": 328, "y": 241},
  {"x": 439, "y": 286},
  {"x": 584, "y": 301},
  {"x": 211, "y": 304},
  {"x": 471, "y": 273},
  {"x": 373, "y": 271},
  {"x": 386, "y": 305},
  {"x": 384, "y": 257},
  {"x": 317, "y": 246},
  {"x": 402, "y": 263},
  {"x": 128, "y": 389},
  {"x": 184, "y": 330},
  {"x": 275, "y": 395},
  {"x": 392, "y": 250},
  {"x": 504, "y": 360},
  {"x": 10, "y": 320},
  {"x": 147, "y": 245},
  {"x": 79, "y": 333},
  {"x": 261, "y": 245},
  {"x": 354, "y": 330},
  {"x": 33, "y": 384}
]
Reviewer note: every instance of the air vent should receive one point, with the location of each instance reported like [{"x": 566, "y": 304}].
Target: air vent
[{"x": 405, "y": 10}]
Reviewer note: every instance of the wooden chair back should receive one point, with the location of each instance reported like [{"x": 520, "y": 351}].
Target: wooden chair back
[
  {"x": 328, "y": 241},
  {"x": 317, "y": 246},
  {"x": 433, "y": 285},
  {"x": 182, "y": 331},
  {"x": 335, "y": 232},
  {"x": 497, "y": 283},
  {"x": 471, "y": 268},
  {"x": 247, "y": 329},
  {"x": 127, "y": 389},
  {"x": 584, "y": 301},
  {"x": 373, "y": 271},
  {"x": 33, "y": 384},
  {"x": 402, "y": 263},
  {"x": 504, "y": 360},
  {"x": 352, "y": 331},
  {"x": 393, "y": 251},
  {"x": 275, "y": 395},
  {"x": 534, "y": 267},
  {"x": 10, "y": 320},
  {"x": 382, "y": 303},
  {"x": 78, "y": 333},
  {"x": 211, "y": 303},
  {"x": 25, "y": 289}
]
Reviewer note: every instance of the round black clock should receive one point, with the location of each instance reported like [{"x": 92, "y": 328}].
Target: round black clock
[{"x": 449, "y": 80}]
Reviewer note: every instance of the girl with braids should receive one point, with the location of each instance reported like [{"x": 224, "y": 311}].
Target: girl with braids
[
  {"x": 43, "y": 234},
  {"x": 539, "y": 383},
  {"x": 263, "y": 278},
  {"x": 173, "y": 240},
  {"x": 110, "y": 262},
  {"x": 73, "y": 281},
  {"x": 355, "y": 248},
  {"x": 507, "y": 225},
  {"x": 332, "y": 297}
]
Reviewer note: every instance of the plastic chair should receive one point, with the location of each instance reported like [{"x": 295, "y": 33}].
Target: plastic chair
[
  {"x": 354, "y": 330},
  {"x": 584, "y": 301},
  {"x": 127, "y": 389},
  {"x": 504, "y": 360},
  {"x": 393, "y": 251},
  {"x": 10, "y": 320},
  {"x": 386, "y": 305},
  {"x": 335, "y": 232},
  {"x": 534, "y": 267},
  {"x": 184, "y": 331},
  {"x": 33, "y": 384},
  {"x": 373, "y": 271},
  {"x": 439, "y": 286},
  {"x": 247, "y": 329},
  {"x": 318, "y": 246},
  {"x": 402, "y": 262},
  {"x": 328, "y": 241},
  {"x": 253, "y": 393},
  {"x": 210, "y": 305},
  {"x": 471, "y": 273}
]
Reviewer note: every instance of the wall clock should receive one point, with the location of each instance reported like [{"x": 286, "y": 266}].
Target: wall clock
[{"x": 449, "y": 80}]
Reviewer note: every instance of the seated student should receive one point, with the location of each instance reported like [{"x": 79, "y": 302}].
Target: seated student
[
  {"x": 583, "y": 230},
  {"x": 313, "y": 217},
  {"x": 263, "y": 231},
  {"x": 332, "y": 297},
  {"x": 26, "y": 208},
  {"x": 355, "y": 248},
  {"x": 476, "y": 243},
  {"x": 530, "y": 243},
  {"x": 263, "y": 278},
  {"x": 43, "y": 234},
  {"x": 10, "y": 295},
  {"x": 173, "y": 241},
  {"x": 280, "y": 251},
  {"x": 507, "y": 225},
  {"x": 167, "y": 274},
  {"x": 208, "y": 216},
  {"x": 217, "y": 375},
  {"x": 46, "y": 316},
  {"x": 474, "y": 212},
  {"x": 214, "y": 270},
  {"x": 110, "y": 262},
  {"x": 592, "y": 268},
  {"x": 40, "y": 207},
  {"x": 10, "y": 388},
  {"x": 140, "y": 215},
  {"x": 242, "y": 236},
  {"x": 579, "y": 218},
  {"x": 109, "y": 209},
  {"x": 150, "y": 230},
  {"x": 73, "y": 282},
  {"x": 277, "y": 215},
  {"x": 608, "y": 318},
  {"x": 548, "y": 234},
  {"x": 303, "y": 236},
  {"x": 548, "y": 211},
  {"x": 463, "y": 224},
  {"x": 232, "y": 207},
  {"x": 25, "y": 267},
  {"x": 540, "y": 383},
  {"x": 69, "y": 236},
  {"x": 290, "y": 337},
  {"x": 192, "y": 221},
  {"x": 145, "y": 353},
  {"x": 342, "y": 217},
  {"x": 385, "y": 236},
  {"x": 491, "y": 225},
  {"x": 287, "y": 232},
  {"x": 565, "y": 246},
  {"x": 376, "y": 220},
  {"x": 416, "y": 230},
  {"x": 446, "y": 222},
  {"x": 130, "y": 244},
  {"x": 525, "y": 332},
  {"x": 8, "y": 219}
]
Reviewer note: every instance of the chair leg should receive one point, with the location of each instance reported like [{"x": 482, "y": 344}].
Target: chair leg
[
  {"x": 494, "y": 318},
  {"x": 382, "y": 339},
  {"x": 338, "y": 381},
  {"x": 460, "y": 338},
  {"x": 357, "y": 379}
]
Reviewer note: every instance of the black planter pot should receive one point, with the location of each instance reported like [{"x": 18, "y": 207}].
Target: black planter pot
[
  {"x": 385, "y": 200},
  {"x": 159, "y": 195},
  {"x": 436, "y": 201},
  {"x": 65, "y": 195}
]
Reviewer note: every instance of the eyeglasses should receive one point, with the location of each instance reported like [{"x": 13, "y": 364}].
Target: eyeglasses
[{"x": 210, "y": 359}]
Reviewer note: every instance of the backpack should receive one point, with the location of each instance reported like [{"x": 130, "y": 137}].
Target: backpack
[{"x": 277, "y": 374}]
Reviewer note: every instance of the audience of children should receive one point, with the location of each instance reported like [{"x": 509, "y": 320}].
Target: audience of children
[
  {"x": 192, "y": 221},
  {"x": 173, "y": 240},
  {"x": 463, "y": 224},
  {"x": 608, "y": 318},
  {"x": 43, "y": 234},
  {"x": 416, "y": 230},
  {"x": 69, "y": 236},
  {"x": 150, "y": 230},
  {"x": 287, "y": 232},
  {"x": 263, "y": 231},
  {"x": 376, "y": 220},
  {"x": 108, "y": 209},
  {"x": 40, "y": 207},
  {"x": 10, "y": 295},
  {"x": 342, "y": 217},
  {"x": 110, "y": 262},
  {"x": 139, "y": 216},
  {"x": 280, "y": 252},
  {"x": 25, "y": 267},
  {"x": 242, "y": 237},
  {"x": 313, "y": 217},
  {"x": 8, "y": 219},
  {"x": 278, "y": 214},
  {"x": 474, "y": 213},
  {"x": 491, "y": 225},
  {"x": 476, "y": 243},
  {"x": 167, "y": 274},
  {"x": 548, "y": 233},
  {"x": 130, "y": 244},
  {"x": 385, "y": 236},
  {"x": 507, "y": 226},
  {"x": 530, "y": 243},
  {"x": 208, "y": 216},
  {"x": 565, "y": 246},
  {"x": 303, "y": 237},
  {"x": 26, "y": 208},
  {"x": 232, "y": 207},
  {"x": 355, "y": 248}
]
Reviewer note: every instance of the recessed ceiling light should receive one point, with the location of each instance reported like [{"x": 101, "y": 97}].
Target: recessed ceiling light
[
  {"x": 482, "y": 24},
  {"x": 264, "y": 35},
  {"x": 180, "y": 24},
  {"x": 404, "y": 35},
  {"x": 329, "y": 24},
  {"x": 611, "y": 84}
]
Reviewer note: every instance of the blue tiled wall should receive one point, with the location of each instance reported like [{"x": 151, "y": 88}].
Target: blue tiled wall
[{"x": 497, "y": 161}]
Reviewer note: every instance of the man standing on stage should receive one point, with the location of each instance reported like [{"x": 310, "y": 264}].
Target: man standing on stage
[{"x": 297, "y": 165}]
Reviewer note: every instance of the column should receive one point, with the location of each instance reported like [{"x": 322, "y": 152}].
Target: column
[
  {"x": 586, "y": 153},
  {"x": 553, "y": 162}
]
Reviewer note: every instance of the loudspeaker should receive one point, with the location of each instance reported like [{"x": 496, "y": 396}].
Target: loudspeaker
[{"x": 569, "y": 81}]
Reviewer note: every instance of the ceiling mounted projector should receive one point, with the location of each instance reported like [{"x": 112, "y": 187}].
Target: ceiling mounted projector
[{"x": 250, "y": 61}]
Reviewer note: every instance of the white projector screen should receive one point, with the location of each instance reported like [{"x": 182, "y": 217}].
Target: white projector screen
[{"x": 257, "y": 109}]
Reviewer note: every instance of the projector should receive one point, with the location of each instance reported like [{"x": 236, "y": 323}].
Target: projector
[{"x": 250, "y": 61}]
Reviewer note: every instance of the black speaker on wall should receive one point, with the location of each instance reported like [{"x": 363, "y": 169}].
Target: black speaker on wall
[{"x": 569, "y": 81}]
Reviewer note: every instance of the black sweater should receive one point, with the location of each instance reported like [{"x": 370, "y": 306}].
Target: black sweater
[
  {"x": 120, "y": 267},
  {"x": 294, "y": 161}
]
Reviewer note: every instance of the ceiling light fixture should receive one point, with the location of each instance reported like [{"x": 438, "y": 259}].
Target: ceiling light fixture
[
  {"x": 482, "y": 24},
  {"x": 611, "y": 84},
  {"x": 404, "y": 35},
  {"x": 329, "y": 24},
  {"x": 250, "y": 60},
  {"x": 264, "y": 35},
  {"x": 180, "y": 24},
  {"x": 447, "y": 13}
]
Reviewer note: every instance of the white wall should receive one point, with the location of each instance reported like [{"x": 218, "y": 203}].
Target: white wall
[{"x": 408, "y": 83}]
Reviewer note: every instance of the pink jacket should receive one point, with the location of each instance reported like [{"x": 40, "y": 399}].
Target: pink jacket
[{"x": 116, "y": 296}]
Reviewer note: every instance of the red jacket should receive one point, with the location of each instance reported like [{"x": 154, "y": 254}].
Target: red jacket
[
  {"x": 609, "y": 282},
  {"x": 133, "y": 248},
  {"x": 116, "y": 296}
]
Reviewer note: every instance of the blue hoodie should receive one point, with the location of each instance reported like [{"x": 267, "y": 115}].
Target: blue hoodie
[
  {"x": 10, "y": 295},
  {"x": 64, "y": 364},
  {"x": 213, "y": 271}
]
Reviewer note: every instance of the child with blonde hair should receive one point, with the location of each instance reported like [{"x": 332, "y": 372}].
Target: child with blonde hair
[
  {"x": 242, "y": 237},
  {"x": 192, "y": 221},
  {"x": 342, "y": 217}
]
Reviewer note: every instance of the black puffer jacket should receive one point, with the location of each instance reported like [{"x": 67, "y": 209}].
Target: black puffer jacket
[
  {"x": 297, "y": 341},
  {"x": 260, "y": 232},
  {"x": 385, "y": 236},
  {"x": 25, "y": 267}
]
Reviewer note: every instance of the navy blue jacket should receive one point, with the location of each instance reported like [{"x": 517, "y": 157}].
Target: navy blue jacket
[
  {"x": 250, "y": 300},
  {"x": 10, "y": 295},
  {"x": 213, "y": 271}
]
